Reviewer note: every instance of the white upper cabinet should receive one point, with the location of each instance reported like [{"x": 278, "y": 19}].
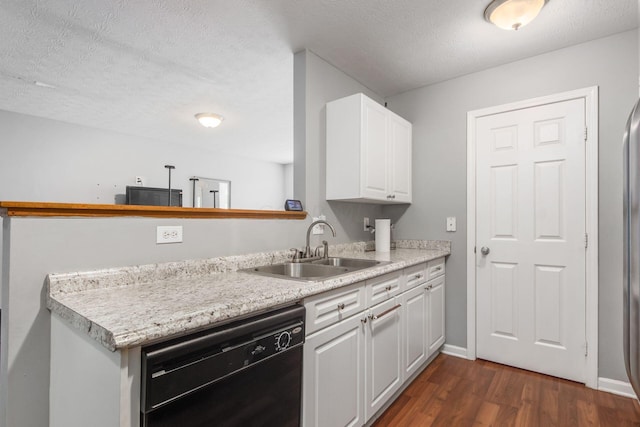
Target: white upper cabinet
[{"x": 368, "y": 152}]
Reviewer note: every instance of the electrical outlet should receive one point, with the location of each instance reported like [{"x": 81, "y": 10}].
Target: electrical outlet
[
  {"x": 139, "y": 180},
  {"x": 318, "y": 229},
  {"x": 366, "y": 223},
  {"x": 169, "y": 234}
]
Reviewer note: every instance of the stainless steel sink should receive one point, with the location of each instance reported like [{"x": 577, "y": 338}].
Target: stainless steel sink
[
  {"x": 351, "y": 263},
  {"x": 295, "y": 270},
  {"x": 314, "y": 270}
]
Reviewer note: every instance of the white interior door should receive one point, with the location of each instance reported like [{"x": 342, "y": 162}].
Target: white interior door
[{"x": 530, "y": 216}]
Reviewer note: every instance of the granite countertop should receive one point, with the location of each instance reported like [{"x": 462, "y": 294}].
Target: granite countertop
[{"x": 132, "y": 306}]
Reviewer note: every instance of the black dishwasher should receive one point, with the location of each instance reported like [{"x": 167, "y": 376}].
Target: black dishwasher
[{"x": 246, "y": 373}]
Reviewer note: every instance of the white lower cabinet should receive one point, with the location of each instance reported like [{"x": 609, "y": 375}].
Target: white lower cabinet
[
  {"x": 383, "y": 354},
  {"x": 435, "y": 289},
  {"x": 415, "y": 332},
  {"x": 333, "y": 375},
  {"x": 354, "y": 365}
]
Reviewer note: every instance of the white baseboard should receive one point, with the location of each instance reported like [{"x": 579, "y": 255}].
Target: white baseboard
[
  {"x": 454, "y": 350},
  {"x": 620, "y": 388}
]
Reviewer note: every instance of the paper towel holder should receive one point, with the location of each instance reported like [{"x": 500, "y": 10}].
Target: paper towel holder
[{"x": 372, "y": 228}]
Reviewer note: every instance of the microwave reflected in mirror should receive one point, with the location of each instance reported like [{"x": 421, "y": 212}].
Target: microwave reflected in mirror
[{"x": 211, "y": 193}]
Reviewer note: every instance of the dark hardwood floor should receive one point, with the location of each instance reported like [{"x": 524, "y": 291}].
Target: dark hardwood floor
[{"x": 459, "y": 392}]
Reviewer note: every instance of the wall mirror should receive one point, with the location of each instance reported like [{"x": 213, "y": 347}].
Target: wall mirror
[{"x": 210, "y": 192}]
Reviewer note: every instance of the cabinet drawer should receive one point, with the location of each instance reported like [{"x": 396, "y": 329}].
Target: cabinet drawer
[
  {"x": 382, "y": 288},
  {"x": 331, "y": 307},
  {"x": 415, "y": 275},
  {"x": 435, "y": 268}
]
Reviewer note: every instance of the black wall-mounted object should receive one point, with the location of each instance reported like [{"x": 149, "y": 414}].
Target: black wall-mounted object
[
  {"x": 292, "y": 205},
  {"x": 150, "y": 196}
]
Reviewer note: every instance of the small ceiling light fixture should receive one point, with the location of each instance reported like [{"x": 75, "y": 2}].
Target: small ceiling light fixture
[
  {"x": 209, "y": 120},
  {"x": 513, "y": 14}
]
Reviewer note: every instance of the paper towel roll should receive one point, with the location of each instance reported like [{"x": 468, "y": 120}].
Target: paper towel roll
[{"x": 383, "y": 235}]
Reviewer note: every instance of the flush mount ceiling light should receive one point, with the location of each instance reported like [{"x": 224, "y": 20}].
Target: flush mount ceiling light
[
  {"x": 513, "y": 14},
  {"x": 209, "y": 120}
]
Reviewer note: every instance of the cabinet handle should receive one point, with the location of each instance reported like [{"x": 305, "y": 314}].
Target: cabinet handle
[
  {"x": 364, "y": 320},
  {"x": 341, "y": 306},
  {"x": 388, "y": 288},
  {"x": 417, "y": 277},
  {"x": 384, "y": 313},
  {"x": 438, "y": 268}
]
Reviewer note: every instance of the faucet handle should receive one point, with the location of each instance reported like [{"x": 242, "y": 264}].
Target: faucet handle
[
  {"x": 325, "y": 249},
  {"x": 296, "y": 255}
]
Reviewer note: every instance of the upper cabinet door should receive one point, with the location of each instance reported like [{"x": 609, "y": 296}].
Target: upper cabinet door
[
  {"x": 368, "y": 152},
  {"x": 400, "y": 158},
  {"x": 375, "y": 136}
]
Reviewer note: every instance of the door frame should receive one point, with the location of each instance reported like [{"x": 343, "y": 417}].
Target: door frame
[{"x": 590, "y": 95}]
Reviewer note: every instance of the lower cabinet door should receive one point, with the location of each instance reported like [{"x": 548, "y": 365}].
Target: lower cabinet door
[
  {"x": 333, "y": 380},
  {"x": 383, "y": 355},
  {"x": 436, "y": 314},
  {"x": 415, "y": 331}
]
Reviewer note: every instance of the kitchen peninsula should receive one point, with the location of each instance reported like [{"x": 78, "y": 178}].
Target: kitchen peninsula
[{"x": 100, "y": 319}]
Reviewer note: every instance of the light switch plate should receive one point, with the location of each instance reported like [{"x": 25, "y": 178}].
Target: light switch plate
[
  {"x": 169, "y": 234},
  {"x": 451, "y": 223}
]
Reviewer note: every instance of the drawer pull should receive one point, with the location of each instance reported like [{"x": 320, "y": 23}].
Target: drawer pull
[
  {"x": 417, "y": 277},
  {"x": 364, "y": 320},
  {"x": 388, "y": 288},
  {"x": 384, "y": 313},
  {"x": 438, "y": 268},
  {"x": 341, "y": 306}
]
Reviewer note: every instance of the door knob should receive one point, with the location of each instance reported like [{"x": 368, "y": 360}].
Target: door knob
[{"x": 485, "y": 250}]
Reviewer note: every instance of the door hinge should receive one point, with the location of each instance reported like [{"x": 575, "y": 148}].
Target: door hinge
[
  {"x": 586, "y": 240},
  {"x": 586, "y": 348},
  {"x": 586, "y": 133}
]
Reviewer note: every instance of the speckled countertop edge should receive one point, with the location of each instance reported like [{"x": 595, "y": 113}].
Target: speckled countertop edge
[{"x": 132, "y": 306}]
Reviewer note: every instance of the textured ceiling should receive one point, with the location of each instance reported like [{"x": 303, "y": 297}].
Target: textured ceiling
[{"x": 146, "y": 67}]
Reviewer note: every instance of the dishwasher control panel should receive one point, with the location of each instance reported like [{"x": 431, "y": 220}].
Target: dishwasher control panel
[{"x": 275, "y": 342}]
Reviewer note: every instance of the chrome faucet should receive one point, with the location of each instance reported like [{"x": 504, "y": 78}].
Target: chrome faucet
[{"x": 307, "y": 248}]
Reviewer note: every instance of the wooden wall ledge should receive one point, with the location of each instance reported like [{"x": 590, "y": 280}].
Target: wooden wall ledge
[{"x": 38, "y": 209}]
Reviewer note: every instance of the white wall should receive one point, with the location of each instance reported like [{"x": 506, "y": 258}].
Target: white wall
[
  {"x": 46, "y": 245},
  {"x": 47, "y": 160},
  {"x": 288, "y": 181},
  {"x": 438, "y": 114},
  {"x": 321, "y": 83}
]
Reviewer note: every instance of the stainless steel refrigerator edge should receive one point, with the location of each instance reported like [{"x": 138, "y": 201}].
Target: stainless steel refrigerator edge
[{"x": 631, "y": 257}]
